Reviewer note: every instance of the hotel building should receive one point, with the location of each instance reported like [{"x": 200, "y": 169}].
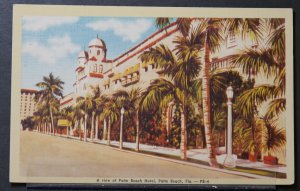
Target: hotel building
[
  {"x": 127, "y": 71},
  {"x": 28, "y": 105}
]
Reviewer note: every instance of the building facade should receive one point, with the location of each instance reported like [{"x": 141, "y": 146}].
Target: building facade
[
  {"x": 127, "y": 71},
  {"x": 28, "y": 105}
]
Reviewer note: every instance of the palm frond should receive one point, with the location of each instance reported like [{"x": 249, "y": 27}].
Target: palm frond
[
  {"x": 184, "y": 25},
  {"x": 161, "y": 22},
  {"x": 274, "y": 138},
  {"x": 277, "y": 42},
  {"x": 153, "y": 95},
  {"x": 256, "y": 61},
  {"x": 250, "y": 99},
  {"x": 276, "y": 107}
]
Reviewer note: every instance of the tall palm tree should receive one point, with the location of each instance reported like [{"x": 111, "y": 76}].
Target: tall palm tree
[
  {"x": 111, "y": 111},
  {"x": 182, "y": 70},
  {"x": 101, "y": 102},
  {"x": 68, "y": 114},
  {"x": 211, "y": 30},
  {"x": 51, "y": 89},
  {"x": 130, "y": 101},
  {"x": 268, "y": 60},
  {"x": 87, "y": 104},
  {"x": 78, "y": 117},
  {"x": 96, "y": 93}
]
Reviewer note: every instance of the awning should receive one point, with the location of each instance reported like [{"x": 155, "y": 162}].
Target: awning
[{"x": 63, "y": 122}]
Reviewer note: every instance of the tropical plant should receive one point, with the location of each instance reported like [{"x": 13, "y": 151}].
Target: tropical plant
[
  {"x": 111, "y": 112},
  {"x": 68, "y": 114},
  {"x": 182, "y": 69},
  {"x": 273, "y": 138},
  {"x": 100, "y": 104},
  {"x": 50, "y": 90},
  {"x": 270, "y": 61},
  {"x": 130, "y": 101},
  {"x": 28, "y": 123},
  {"x": 87, "y": 105}
]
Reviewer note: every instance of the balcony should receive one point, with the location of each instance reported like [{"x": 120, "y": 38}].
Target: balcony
[
  {"x": 128, "y": 81},
  {"x": 218, "y": 63},
  {"x": 96, "y": 75}
]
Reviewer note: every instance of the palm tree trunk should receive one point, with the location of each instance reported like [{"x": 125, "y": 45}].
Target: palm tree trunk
[
  {"x": 92, "y": 126},
  {"x": 183, "y": 141},
  {"x": 137, "y": 139},
  {"x": 51, "y": 116},
  {"x": 108, "y": 133},
  {"x": 104, "y": 129},
  {"x": 96, "y": 127},
  {"x": 206, "y": 105},
  {"x": 81, "y": 127},
  {"x": 85, "y": 126}
]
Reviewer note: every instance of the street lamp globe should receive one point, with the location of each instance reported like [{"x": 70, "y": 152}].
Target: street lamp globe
[
  {"x": 122, "y": 110},
  {"x": 229, "y": 92}
]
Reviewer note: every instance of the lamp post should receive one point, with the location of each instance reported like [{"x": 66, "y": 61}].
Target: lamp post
[
  {"x": 121, "y": 128},
  {"x": 229, "y": 160}
]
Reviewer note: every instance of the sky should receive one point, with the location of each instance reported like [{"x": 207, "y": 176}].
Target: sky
[{"x": 51, "y": 44}]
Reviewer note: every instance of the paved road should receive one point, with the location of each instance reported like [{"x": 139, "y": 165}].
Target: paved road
[{"x": 44, "y": 155}]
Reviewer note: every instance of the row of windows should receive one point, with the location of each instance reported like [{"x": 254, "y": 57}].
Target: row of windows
[{"x": 97, "y": 68}]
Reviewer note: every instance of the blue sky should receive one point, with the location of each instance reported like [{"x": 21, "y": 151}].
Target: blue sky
[{"x": 51, "y": 44}]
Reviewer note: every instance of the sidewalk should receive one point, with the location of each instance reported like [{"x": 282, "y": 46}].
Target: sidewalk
[{"x": 198, "y": 156}]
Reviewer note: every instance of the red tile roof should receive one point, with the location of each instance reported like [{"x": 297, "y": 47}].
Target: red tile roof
[{"x": 28, "y": 91}]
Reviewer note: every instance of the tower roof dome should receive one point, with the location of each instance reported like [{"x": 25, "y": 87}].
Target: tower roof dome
[
  {"x": 98, "y": 43},
  {"x": 83, "y": 54}
]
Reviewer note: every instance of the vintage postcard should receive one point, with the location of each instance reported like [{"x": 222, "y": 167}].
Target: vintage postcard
[{"x": 149, "y": 95}]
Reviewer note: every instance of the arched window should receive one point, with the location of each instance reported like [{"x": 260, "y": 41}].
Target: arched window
[{"x": 98, "y": 52}]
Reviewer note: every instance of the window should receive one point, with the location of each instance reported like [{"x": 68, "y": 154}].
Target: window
[
  {"x": 232, "y": 37},
  {"x": 98, "y": 52},
  {"x": 231, "y": 40},
  {"x": 100, "y": 68},
  {"x": 95, "y": 68}
]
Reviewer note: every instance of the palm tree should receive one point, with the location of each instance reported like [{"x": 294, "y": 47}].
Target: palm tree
[
  {"x": 87, "y": 104},
  {"x": 99, "y": 100},
  {"x": 111, "y": 112},
  {"x": 68, "y": 114},
  {"x": 130, "y": 101},
  {"x": 78, "y": 117},
  {"x": 182, "y": 70},
  {"x": 270, "y": 61},
  {"x": 210, "y": 30},
  {"x": 51, "y": 89},
  {"x": 273, "y": 137},
  {"x": 95, "y": 109}
]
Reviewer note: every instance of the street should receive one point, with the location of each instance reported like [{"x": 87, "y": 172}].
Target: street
[{"x": 50, "y": 156}]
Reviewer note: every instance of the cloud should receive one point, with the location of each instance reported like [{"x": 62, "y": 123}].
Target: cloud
[
  {"x": 41, "y": 23},
  {"x": 55, "y": 50},
  {"x": 127, "y": 30}
]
